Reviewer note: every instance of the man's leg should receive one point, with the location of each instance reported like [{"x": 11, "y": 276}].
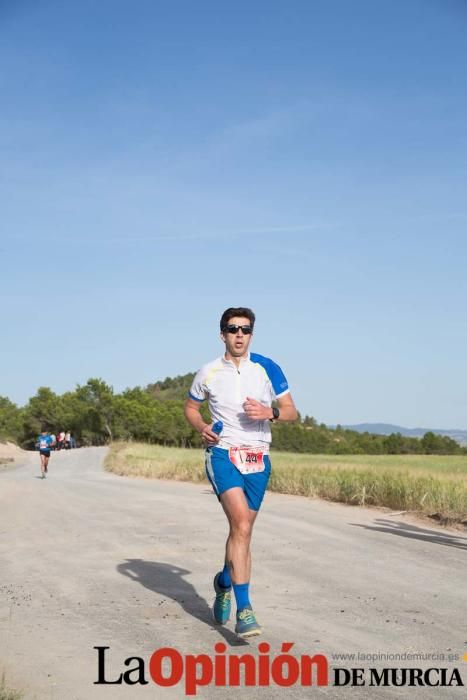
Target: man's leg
[
  {"x": 240, "y": 508},
  {"x": 238, "y": 556},
  {"x": 237, "y": 549}
]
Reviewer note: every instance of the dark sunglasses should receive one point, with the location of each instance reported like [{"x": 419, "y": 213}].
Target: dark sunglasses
[{"x": 246, "y": 330}]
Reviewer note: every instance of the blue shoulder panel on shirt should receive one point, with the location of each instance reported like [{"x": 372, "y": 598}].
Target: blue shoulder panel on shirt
[{"x": 274, "y": 372}]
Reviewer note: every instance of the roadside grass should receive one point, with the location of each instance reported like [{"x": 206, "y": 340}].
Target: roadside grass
[
  {"x": 425, "y": 484},
  {"x": 6, "y": 693}
]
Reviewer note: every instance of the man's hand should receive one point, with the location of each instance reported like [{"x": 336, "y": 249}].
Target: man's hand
[
  {"x": 255, "y": 410},
  {"x": 195, "y": 419},
  {"x": 209, "y": 438}
]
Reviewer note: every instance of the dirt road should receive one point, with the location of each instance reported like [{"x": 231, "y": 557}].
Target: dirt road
[{"x": 91, "y": 559}]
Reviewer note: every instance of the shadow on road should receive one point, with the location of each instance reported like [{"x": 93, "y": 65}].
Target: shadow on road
[
  {"x": 416, "y": 533},
  {"x": 167, "y": 580}
]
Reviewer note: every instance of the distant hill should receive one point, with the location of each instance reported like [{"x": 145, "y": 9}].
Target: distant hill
[
  {"x": 459, "y": 436},
  {"x": 171, "y": 388}
]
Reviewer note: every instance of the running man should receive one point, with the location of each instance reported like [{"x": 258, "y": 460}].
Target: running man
[
  {"x": 44, "y": 443},
  {"x": 239, "y": 387}
]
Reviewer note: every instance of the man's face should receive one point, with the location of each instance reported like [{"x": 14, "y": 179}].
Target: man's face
[{"x": 237, "y": 343}]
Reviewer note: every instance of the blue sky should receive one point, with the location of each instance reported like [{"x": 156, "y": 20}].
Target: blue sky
[{"x": 162, "y": 161}]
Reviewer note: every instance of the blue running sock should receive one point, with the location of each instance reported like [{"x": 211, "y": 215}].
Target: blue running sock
[
  {"x": 242, "y": 595},
  {"x": 224, "y": 579}
]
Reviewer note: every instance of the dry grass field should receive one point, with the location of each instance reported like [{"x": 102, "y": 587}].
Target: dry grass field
[{"x": 425, "y": 484}]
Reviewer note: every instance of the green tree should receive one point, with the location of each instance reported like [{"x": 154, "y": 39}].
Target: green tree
[
  {"x": 393, "y": 444},
  {"x": 11, "y": 420},
  {"x": 97, "y": 405},
  {"x": 43, "y": 410}
]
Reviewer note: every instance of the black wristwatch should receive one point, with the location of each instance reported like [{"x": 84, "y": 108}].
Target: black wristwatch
[{"x": 275, "y": 414}]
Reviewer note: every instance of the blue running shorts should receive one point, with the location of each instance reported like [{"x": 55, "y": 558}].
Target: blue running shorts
[{"x": 224, "y": 475}]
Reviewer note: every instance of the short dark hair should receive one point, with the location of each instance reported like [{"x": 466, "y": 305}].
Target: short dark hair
[{"x": 236, "y": 311}]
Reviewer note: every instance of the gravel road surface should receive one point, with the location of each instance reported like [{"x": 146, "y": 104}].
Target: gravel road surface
[{"x": 91, "y": 559}]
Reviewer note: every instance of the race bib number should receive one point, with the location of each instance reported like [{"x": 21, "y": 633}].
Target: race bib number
[
  {"x": 248, "y": 460},
  {"x": 43, "y": 445}
]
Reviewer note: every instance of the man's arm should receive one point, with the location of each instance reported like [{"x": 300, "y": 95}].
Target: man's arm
[
  {"x": 287, "y": 408},
  {"x": 256, "y": 411},
  {"x": 196, "y": 420}
]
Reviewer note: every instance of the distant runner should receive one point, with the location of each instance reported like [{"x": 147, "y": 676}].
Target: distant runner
[
  {"x": 44, "y": 443},
  {"x": 239, "y": 387}
]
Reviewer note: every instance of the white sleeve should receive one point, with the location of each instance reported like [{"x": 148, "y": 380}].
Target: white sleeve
[{"x": 198, "y": 391}]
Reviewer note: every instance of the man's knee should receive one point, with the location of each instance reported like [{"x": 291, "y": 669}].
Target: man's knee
[{"x": 242, "y": 528}]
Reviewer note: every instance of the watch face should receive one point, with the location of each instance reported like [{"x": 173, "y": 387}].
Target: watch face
[{"x": 275, "y": 413}]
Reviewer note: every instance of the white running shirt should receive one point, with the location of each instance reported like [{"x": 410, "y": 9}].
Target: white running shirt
[{"x": 226, "y": 388}]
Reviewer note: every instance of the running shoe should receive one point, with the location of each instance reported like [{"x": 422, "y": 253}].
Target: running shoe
[
  {"x": 247, "y": 624},
  {"x": 222, "y": 603}
]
